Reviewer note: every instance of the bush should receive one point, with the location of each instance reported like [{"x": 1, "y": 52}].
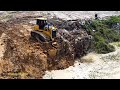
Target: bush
[
  {"x": 101, "y": 45},
  {"x": 112, "y": 20},
  {"x": 103, "y": 34}
]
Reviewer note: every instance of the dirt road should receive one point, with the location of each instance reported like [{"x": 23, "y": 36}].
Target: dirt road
[{"x": 66, "y": 15}]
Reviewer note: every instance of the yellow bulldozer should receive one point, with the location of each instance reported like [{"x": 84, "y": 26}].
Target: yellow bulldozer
[{"x": 45, "y": 33}]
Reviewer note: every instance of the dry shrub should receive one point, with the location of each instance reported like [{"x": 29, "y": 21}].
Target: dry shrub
[{"x": 91, "y": 57}]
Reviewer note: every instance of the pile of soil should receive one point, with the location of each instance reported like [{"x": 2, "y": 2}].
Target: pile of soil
[
  {"x": 22, "y": 54},
  {"x": 27, "y": 58}
]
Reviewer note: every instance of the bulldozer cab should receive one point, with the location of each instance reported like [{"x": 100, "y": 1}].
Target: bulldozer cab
[
  {"x": 45, "y": 28},
  {"x": 41, "y": 22}
]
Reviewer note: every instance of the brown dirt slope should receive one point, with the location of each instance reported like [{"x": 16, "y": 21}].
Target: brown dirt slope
[{"x": 23, "y": 57}]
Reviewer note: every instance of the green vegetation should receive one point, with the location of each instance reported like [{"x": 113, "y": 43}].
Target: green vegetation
[
  {"x": 104, "y": 33},
  {"x": 112, "y": 20}
]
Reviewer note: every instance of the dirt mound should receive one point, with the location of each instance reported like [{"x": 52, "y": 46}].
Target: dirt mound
[
  {"x": 76, "y": 39},
  {"x": 27, "y": 58},
  {"x": 24, "y": 55}
]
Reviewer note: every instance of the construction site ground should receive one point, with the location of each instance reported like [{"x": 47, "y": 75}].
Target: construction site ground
[{"x": 21, "y": 56}]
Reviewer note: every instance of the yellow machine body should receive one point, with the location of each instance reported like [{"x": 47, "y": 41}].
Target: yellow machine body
[{"x": 47, "y": 30}]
